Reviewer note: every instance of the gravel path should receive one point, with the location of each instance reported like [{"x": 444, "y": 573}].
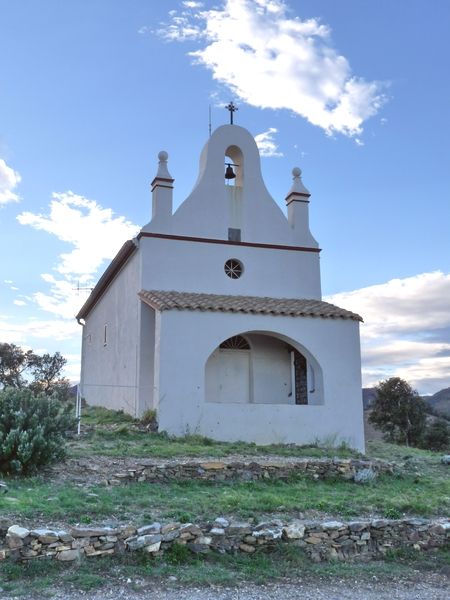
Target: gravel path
[{"x": 430, "y": 586}]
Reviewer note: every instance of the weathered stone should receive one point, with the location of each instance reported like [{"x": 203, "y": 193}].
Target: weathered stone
[
  {"x": 46, "y": 536},
  {"x": 445, "y": 460},
  {"x": 294, "y": 531},
  {"x": 78, "y": 532},
  {"x": 18, "y": 531},
  {"x": 221, "y": 522},
  {"x": 212, "y": 466},
  {"x": 68, "y": 555},
  {"x": 331, "y": 525},
  {"x": 313, "y": 540},
  {"x": 204, "y": 540},
  {"x": 247, "y": 548},
  {"x": 169, "y": 527},
  {"x": 152, "y": 548},
  {"x": 217, "y": 531},
  {"x": 239, "y": 528},
  {"x": 172, "y": 535},
  {"x": 147, "y": 529},
  {"x": 358, "y": 525},
  {"x": 134, "y": 543},
  {"x": 3, "y": 553}
]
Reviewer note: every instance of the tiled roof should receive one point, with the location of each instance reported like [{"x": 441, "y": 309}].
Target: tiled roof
[{"x": 292, "y": 307}]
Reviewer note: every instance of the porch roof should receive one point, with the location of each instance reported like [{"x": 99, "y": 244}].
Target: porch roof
[{"x": 292, "y": 307}]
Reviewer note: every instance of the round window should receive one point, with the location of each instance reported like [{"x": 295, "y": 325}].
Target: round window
[{"x": 233, "y": 268}]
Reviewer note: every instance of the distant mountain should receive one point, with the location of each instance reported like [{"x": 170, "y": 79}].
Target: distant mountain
[{"x": 439, "y": 402}]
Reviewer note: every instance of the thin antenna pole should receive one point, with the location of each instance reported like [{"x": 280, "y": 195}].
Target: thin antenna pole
[{"x": 209, "y": 122}]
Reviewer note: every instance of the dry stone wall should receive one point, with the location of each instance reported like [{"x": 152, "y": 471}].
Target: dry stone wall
[
  {"x": 321, "y": 541},
  {"x": 222, "y": 470}
]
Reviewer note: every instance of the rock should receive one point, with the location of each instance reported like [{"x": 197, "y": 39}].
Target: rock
[
  {"x": 212, "y": 466},
  {"x": 247, "y": 548},
  {"x": 221, "y": 522},
  {"x": 18, "y": 531},
  {"x": 136, "y": 542},
  {"x": 332, "y": 525},
  {"x": 147, "y": 529},
  {"x": 172, "y": 535},
  {"x": 45, "y": 536},
  {"x": 217, "y": 531},
  {"x": 204, "y": 540},
  {"x": 294, "y": 531},
  {"x": 3, "y": 487},
  {"x": 68, "y": 555},
  {"x": 92, "y": 531},
  {"x": 169, "y": 527},
  {"x": 3, "y": 554},
  {"x": 152, "y": 548},
  {"x": 445, "y": 460}
]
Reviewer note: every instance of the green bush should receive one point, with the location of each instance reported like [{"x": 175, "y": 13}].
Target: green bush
[
  {"x": 32, "y": 430},
  {"x": 437, "y": 436}
]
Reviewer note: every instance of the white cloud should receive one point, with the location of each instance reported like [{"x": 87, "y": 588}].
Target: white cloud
[
  {"x": 54, "y": 329},
  {"x": 406, "y": 330},
  {"x": 270, "y": 60},
  {"x": 266, "y": 143},
  {"x": 95, "y": 234},
  {"x": 9, "y": 180},
  {"x": 20, "y": 303}
]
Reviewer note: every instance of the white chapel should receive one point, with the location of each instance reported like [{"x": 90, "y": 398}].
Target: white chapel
[{"x": 212, "y": 315}]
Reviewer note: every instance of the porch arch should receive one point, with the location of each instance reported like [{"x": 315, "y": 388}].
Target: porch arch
[{"x": 263, "y": 368}]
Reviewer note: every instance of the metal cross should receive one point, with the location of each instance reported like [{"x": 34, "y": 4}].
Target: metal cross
[{"x": 232, "y": 108}]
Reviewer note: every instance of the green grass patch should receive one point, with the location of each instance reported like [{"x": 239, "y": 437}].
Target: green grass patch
[
  {"x": 47, "y": 576},
  {"x": 388, "y": 496}
]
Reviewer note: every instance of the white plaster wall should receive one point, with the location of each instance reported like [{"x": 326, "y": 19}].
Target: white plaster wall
[
  {"x": 187, "y": 340},
  {"x": 198, "y": 267},
  {"x": 109, "y": 373}
]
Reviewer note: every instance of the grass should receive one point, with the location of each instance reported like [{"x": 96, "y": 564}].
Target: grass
[
  {"x": 39, "y": 577},
  {"x": 423, "y": 489},
  {"x": 116, "y": 434},
  {"x": 35, "y": 498}
]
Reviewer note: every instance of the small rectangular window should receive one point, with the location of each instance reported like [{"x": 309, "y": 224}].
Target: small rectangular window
[
  {"x": 105, "y": 335},
  {"x": 234, "y": 235}
]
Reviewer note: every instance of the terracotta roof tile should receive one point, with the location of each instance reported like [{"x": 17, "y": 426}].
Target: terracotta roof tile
[{"x": 293, "y": 307}]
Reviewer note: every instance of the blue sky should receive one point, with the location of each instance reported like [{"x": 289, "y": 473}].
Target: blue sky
[{"x": 354, "y": 92}]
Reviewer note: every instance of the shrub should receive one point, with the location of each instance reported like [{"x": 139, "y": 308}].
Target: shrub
[
  {"x": 32, "y": 430},
  {"x": 149, "y": 418},
  {"x": 437, "y": 436}
]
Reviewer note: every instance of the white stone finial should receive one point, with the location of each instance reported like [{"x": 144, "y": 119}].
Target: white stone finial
[
  {"x": 297, "y": 185},
  {"x": 163, "y": 171}
]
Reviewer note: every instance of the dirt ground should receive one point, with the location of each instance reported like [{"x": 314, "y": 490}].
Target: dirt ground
[{"x": 430, "y": 586}]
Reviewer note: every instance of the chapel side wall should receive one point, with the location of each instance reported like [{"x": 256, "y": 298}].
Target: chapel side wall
[
  {"x": 146, "y": 368},
  {"x": 109, "y": 375},
  {"x": 333, "y": 342},
  {"x": 199, "y": 267}
]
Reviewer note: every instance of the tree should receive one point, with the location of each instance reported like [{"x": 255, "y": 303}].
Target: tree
[
  {"x": 399, "y": 412},
  {"x": 14, "y": 362},
  {"x": 25, "y": 369}
]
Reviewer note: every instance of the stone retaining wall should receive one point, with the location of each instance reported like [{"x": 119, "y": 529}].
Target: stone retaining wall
[
  {"x": 321, "y": 541},
  {"x": 222, "y": 470}
]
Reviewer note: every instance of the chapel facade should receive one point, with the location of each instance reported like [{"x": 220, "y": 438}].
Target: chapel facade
[{"x": 213, "y": 317}]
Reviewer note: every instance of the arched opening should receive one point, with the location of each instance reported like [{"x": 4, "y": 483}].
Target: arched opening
[
  {"x": 235, "y": 158},
  {"x": 260, "y": 368},
  {"x": 234, "y": 163}
]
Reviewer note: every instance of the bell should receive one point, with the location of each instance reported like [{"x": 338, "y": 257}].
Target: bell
[{"x": 229, "y": 173}]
